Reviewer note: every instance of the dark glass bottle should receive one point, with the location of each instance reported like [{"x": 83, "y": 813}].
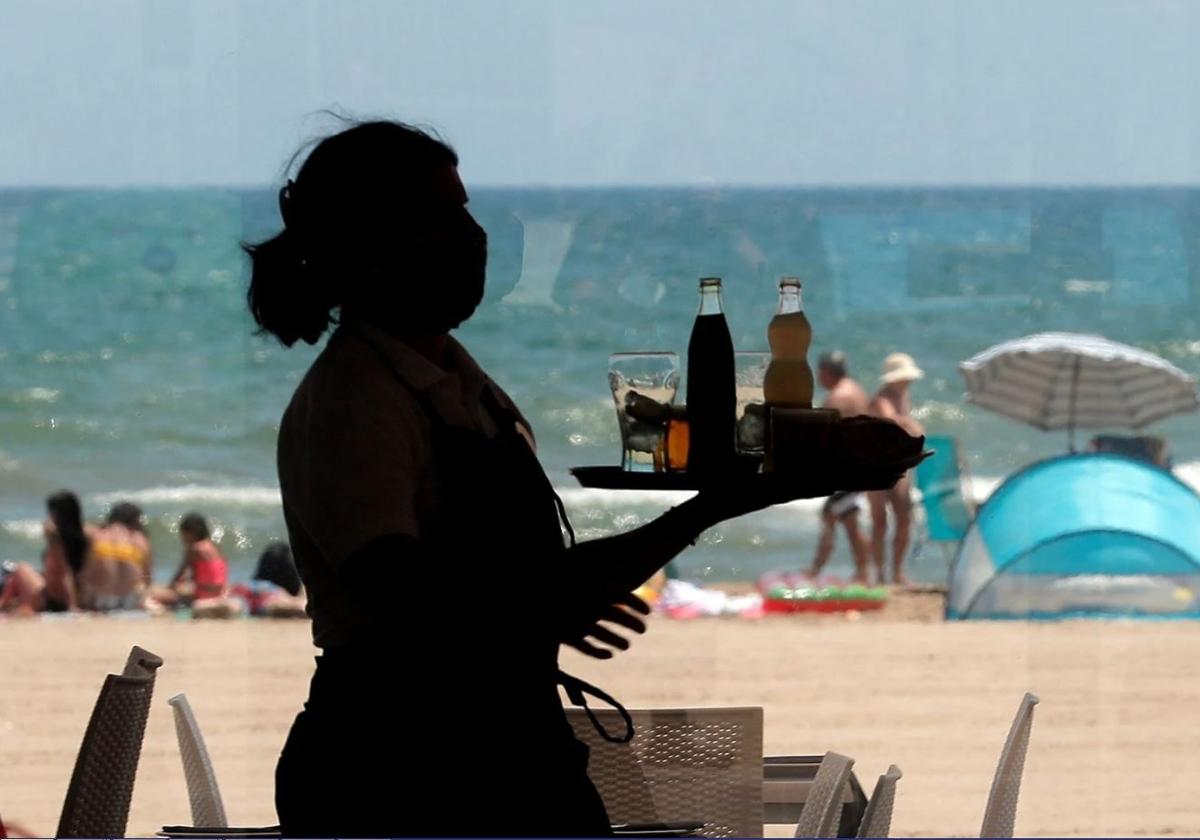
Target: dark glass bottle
[{"x": 711, "y": 395}]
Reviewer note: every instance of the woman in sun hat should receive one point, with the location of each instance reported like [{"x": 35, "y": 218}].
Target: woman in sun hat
[{"x": 892, "y": 402}]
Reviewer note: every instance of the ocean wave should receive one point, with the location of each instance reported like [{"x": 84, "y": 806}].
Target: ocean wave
[
  {"x": 36, "y": 395},
  {"x": 580, "y": 500},
  {"x": 26, "y": 529},
  {"x": 238, "y": 496},
  {"x": 934, "y": 412},
  {"x": 976, "y": 488},
  {"x": 588, "y": 497},
  {"x": 1189, "y": 474}
]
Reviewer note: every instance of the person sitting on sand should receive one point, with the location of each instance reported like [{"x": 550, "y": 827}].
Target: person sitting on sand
[
  {"x": 121, "y": 545},
  {"x": 849, "y": 398},
  {"x": 892, "y": 402},
  {"x": 57, "y": 587},
  {"x": 203, "y": 573},
  {"x": 275, "y": 590}
]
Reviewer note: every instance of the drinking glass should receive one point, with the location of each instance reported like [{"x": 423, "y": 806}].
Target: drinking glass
[
  {"x": 750, "y": 369},
  {"x": 643, "y": 388}
]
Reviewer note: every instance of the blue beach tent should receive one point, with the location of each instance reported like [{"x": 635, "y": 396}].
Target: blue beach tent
[{"x": 1081, "y": 535}]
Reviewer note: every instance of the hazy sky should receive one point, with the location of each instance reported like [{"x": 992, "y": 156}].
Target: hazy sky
[{"x": 612, "y": 92}]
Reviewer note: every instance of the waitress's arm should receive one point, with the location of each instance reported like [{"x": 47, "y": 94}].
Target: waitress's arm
[
  {"x": 607, "y": 569},
  {"x": 597, "y": 575},
  {"x": 592, "y": 585},
  {"x": 612, "y": 566},
  {"x": 399, "y": 563}
]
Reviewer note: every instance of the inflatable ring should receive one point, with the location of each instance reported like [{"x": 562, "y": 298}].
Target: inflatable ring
[{"x": 788, "y": 594}]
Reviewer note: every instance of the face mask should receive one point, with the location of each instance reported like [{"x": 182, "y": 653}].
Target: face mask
[
  {"x": 448, "y": 294},
  {"x": 436, "y": 287},
  {"x": 450, "y": 286}
]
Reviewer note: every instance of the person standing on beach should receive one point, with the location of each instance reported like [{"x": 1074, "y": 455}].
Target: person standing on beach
[
  {"x": 893, "y": 402},
  {"x": 851, "y": 400},
  {"x": 402, "y": 466}
]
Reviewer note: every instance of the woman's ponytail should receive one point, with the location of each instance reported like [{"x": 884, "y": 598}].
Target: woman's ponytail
[{"x": 283, "y": 297}]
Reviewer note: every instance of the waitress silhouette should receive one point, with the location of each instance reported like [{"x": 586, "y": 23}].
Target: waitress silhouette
[{"x": 404, "y": 468}]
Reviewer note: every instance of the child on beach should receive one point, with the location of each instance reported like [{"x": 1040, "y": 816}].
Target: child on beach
[{"x": 203, "y": 573}]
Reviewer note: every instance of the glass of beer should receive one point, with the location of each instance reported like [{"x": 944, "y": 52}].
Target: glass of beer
[{"x": 643, "y": 388}]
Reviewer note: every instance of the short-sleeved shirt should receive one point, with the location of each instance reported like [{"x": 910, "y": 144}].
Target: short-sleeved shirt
[{"x": 355, "y": 457}]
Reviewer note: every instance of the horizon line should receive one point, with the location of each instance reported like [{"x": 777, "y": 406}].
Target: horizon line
[{"x": 691, "y": 185}]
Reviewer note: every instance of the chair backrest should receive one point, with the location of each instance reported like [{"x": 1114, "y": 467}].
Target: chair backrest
[
  {"x": 787, "y": 780},
  {"x": 940, "y": 480},
  {"x": 101, "y": 788},
  {"x": 141, "y": 663},
  {"x": 823, "y": 806},
  {"x": 877, "y": 821},
  {"x": 208, "y": 811},
  {"x": 1000, "y": 816},
  {"x": 683, "y": 765}
]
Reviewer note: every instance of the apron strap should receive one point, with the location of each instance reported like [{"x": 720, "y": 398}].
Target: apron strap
[
  {"x": 577, "y": 691},
  {"x": 505, "y": 418}
]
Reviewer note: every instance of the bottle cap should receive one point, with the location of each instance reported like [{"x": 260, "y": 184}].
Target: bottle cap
[
  {"x": 708, "y": 282},
  {"x": 789, "y": 281}
]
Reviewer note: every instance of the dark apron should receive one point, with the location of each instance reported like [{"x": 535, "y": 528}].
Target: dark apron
[{"x": 455, "y": 729}]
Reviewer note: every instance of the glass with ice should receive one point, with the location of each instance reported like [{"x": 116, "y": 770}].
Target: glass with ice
[
  {"x": 643, "y": 388},
  {"x": 750, "y": 370}
]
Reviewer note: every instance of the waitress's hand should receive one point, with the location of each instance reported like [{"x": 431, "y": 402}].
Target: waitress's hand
[{"x": 625, "y": 613}]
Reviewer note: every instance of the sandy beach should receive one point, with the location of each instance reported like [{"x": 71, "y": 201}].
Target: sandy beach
[{"x": 1115, "y": 748}]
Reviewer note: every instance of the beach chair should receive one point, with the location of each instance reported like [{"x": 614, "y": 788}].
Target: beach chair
[
  {"x": 787, "y": 780},
  {"x": 823, "y": 805},
  {"x": 1000, "y": 815},
  {"x": 101, "y": 787},
  {"x": 877, "y": 821},
  {"x": 204, "y": 795},
  {"x": 683, "y": 767},
  {"x": 948, "y": 509}
]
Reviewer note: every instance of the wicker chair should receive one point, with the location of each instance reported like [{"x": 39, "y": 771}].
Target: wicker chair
[
  {"x": 787, "y": 781},
  {"x": 877, "y": 821},
  {"x": 1000, "y": 816},
  {"x": 101, "y": 788},
  {"x": 823, "y": 805},
  {"x": 682, "y": 766},
  {"x": 203, "y": 793}
]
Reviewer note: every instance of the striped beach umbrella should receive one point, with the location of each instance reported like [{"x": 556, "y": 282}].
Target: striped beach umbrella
[{"x": 1069, "y": 381}]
